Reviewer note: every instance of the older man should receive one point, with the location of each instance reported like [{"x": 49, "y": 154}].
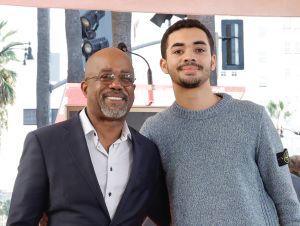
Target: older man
[{"x": 92, "y": 169}]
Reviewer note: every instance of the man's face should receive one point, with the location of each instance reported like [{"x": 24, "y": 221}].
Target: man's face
[
  {"x": 108, "y": 99},
  {"x": 188, "y": 58}
]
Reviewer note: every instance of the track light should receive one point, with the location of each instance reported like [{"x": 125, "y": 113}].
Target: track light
[
  {"x": 90, "y": 23},
  {"x": 159, "y": 19},
  {"x": 91, "y": 46}
]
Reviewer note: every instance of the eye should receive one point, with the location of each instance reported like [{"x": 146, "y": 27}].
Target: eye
[
  {"x": 127, "y": 78},
  {"x": 177, "y": 51},
  {"x": 107, "y": 76},
  {"x": 200, "y": 50}
]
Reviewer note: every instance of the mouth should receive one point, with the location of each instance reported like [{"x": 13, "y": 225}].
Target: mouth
[
  {"x": 115, "y": 97},
  {"x": 189, "y": 68}
]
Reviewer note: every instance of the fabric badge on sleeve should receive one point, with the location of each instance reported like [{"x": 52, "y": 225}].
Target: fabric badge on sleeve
[{"x": 283, "y": 157}]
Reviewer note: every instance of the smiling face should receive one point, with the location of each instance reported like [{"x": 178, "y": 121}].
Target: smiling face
[
  {"x": 108, "y": 100},
  {"x": 188, "y": 60}
]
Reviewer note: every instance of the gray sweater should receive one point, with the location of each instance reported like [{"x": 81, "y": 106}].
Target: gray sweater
[{"x": 221, "y": 165}]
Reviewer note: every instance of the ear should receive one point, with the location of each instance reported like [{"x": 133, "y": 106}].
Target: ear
[
  {"x": 213, "y": 62},
  {"x": 84, "y": 86},
  {"x": 163, "y": 65}
]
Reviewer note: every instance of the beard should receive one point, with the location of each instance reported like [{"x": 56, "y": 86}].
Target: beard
[
  {"x": 192, "y": 81},
  {"x": 189, "y": 83},
  {"x": 114, "y": 113}
]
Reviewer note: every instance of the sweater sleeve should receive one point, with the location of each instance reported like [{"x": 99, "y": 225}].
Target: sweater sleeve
[
  {"x": 276, "y": 179},
  {"x": 146, "y": 128}
]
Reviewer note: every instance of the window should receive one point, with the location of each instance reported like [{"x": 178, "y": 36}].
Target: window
[
  {"x": 232, "y": 45},
  {"x": 29, "y": 116}
]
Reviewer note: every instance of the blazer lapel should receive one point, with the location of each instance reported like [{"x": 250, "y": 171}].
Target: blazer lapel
[
  {"x": 132, "y": 179},
  {"x": 79, "y": 150}
]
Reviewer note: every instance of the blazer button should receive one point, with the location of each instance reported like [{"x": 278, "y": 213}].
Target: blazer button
[{"x": 109, "y": 194}]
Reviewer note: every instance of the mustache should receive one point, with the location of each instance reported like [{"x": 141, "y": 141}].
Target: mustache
[
  {"x": 199, "y": 67},
  {"x": 115, "y": 93}
]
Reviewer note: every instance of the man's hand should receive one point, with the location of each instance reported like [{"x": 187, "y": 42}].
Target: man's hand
[{"x": 44, "y": 220}]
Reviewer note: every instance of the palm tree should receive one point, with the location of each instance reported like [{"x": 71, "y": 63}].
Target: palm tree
[
  {"x": 43, "y": 69},
  {"x": 7, "y": 77},
  {"x": 73, "y": 37},
  {"x": 121, "y": 28}
]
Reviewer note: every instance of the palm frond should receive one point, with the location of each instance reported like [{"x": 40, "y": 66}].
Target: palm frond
[
  {"x": 7, "y": 35},
  {"x": 7, "y": 85},
  {"x": 2, "y": 24},
  {"x": 7, "y": 56},
  {"x": 7, "y": 77},
  {"x": 9, "y": 47},
  {"x": 3, "y": 117}
]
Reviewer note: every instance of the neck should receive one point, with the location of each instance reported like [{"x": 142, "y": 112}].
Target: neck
[
  {"x": 199, "y": 98},
  {"x": 108, "y": 130}
]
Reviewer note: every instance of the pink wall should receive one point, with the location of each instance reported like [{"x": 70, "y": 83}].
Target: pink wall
[{"x": 196, "y": 7}]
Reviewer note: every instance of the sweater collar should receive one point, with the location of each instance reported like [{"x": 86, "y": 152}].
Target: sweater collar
[{"x": 220, "y": 107}]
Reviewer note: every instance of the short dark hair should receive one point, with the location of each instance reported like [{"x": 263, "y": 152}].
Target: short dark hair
[{"x": 185, "y": 23}]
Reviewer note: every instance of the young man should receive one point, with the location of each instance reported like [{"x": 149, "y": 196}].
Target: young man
[
  {"x": 219, "y": 154},
  {"x": 92, "y": 170}
]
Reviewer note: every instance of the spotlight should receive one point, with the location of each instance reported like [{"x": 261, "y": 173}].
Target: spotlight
[
  {"x": 159, "y": 19},
  {"x": 91, "y": 46},
  {"x": 90, "y": 23}
]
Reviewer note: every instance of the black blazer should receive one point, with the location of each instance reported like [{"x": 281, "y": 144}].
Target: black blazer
[{"x": 56, "y": 176}]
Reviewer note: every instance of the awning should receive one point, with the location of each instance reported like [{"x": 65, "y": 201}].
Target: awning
[{"x": 191, "y": 7}]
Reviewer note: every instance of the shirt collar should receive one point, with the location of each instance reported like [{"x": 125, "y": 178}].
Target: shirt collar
[{"x": 88, "y": 128}]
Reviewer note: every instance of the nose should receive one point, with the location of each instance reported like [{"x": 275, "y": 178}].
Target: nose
[
  {"x": 188, "y": 56},
  {"x": 116, "y": 84}
]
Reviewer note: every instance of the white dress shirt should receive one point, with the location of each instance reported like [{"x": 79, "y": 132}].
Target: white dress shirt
[{"x": 113, "y": 168}]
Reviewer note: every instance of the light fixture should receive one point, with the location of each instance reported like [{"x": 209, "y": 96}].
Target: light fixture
[
  {"x": 90, "y": 23},
  {"x": 159, "y": 19},
  {"x": 91, "y": 46},
  {"x": 28, "y": 52}
]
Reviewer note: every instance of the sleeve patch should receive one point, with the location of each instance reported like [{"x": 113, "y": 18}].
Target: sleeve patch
[{"x": 283, "y": 157}]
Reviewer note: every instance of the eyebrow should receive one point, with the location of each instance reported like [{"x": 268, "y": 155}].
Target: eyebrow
[
  {"x": 110, "y": 70},
  {"x": 106, "y": 70},
  {"x": 179, "y": 44},
  {"x": 200, "y": 43}
]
